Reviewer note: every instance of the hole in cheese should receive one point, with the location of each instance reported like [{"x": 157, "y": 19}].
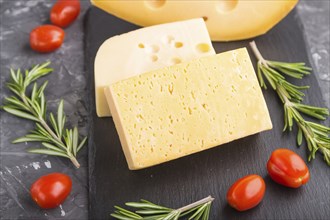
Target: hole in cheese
[
  {"x": 203, "y": 48},
  {"x": 205, "y": 18},
  {"x": 226, "y": 5},
  {"x": 178, "y": 44},
  {"x": 153, "y": 58},
  {"x": 154, "y": 48},
  {"x": 154, "y": 4},
  {"x": 141, "y": 45},
  {"x": 175, "y": 60},
  {"x": 168, "y": 39}
]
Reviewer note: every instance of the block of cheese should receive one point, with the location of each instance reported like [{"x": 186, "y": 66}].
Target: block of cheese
[
  {"x": 186, "y": 108},
  {"x": 226, "y": 20},
  {"x": 147, "y": 49}
]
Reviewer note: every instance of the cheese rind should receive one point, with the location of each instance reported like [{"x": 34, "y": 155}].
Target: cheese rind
[
  {"x": 226, "y": 20},
  {"x": 147, "y": 49},
  {"x": 182, "y": 109}
]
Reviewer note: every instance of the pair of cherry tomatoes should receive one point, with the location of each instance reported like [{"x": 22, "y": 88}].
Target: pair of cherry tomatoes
[
  {"x": 284, "y": 167},
  {"x": 47, "y": 38},
  {"x": 51, "y": 190}
]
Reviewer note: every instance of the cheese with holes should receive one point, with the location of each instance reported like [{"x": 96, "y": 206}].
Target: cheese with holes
[
  {"x": 226, "y": 20},
  {"x": 186, "y": 108},
  {"x": 147, "y": 49}
]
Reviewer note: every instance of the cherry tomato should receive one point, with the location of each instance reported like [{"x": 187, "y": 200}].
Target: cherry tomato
[
  {"x": 287, "y": 168},
  {"x": 51, "y": 190},
  {"x": 64, "y": 12},
  {"x": 46, "y": 38},
  {"x": 246, "y": 192}
]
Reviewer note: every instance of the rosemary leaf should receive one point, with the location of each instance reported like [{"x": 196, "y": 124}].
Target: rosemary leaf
[
  {"x": 154, "y": 217},
  {"x": 42, "y": 88},
  {"x": 149, "y": 211},
  {"x": 315, "y": 135},
  {"x": 206, "y": 214},
  {"x": 128, "y": 213},
  {"x": 19, "y": 113},
  {"x": 60, "y": 124},
  {"x": 299, "y": 137},
  {"x": 17, "y": 104},
  {"x": 34, "y": 92},
  {"x": 82, "y": 143},
  {"x": 33, "y": 107},
  {"x": 172, "y": 215},
  {"x": 30, "y": 138},
  {"x": 189, "y": 211},
  {"x": 199, "y": 212},
  {"x": 75, "y": 141},
  {"x": 52, "y": 147},
  {"x": 326, "y": 154},
  {"x": 48, "y": 152},
  {"x": 13, "y": 76},
  {"x": 144, "y": 205},
  {"x": 313, "y": 111},
  {"x": 14, "y": 88},
  {"x": 68, "y": 139},
  {"x": 260, "y": 78},
  {"x": 53, "y": 123},
  {"x": 42, "y": 130},
  {"x": 43, "y": 106}
]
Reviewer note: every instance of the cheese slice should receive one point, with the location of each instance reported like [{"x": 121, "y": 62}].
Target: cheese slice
[
  {"x": 186, "y": 108},
  {"x": 226, "y": 20},
  {"x": 147, "y": 49}
]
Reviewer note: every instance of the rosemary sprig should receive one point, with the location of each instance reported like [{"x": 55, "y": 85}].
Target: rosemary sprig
[
  {"x": 57, "y": 140},
  {"x": 149, "y": 211},
  {"x": 316, "y": 135}
]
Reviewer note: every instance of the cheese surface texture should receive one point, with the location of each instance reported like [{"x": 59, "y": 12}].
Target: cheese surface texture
[
  {"x": 226, "y": 20},
  {"x": 147, "y": 49},
  {"x": 182, "y": 109}
]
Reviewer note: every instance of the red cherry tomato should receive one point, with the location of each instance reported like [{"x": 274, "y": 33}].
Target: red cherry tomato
[
  {"x": 51, "y": 190},
  {"x": 287, "y": 168},
  {"x": 46, "y": 38},
  {"x": 246, "y": 192},
  {"x": 64, "y": 12}
]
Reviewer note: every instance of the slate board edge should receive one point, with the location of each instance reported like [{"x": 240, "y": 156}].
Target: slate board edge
[
  {"x": 92, "y": 111},
  {"x": 91, "y": 148},
  {"x": 312, "y": 65}
]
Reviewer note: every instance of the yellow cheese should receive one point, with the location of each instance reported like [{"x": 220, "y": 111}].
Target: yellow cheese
[
  {"x": 147, "y": 49},
  {"x": 189, "y": 107},
  {"x": 226, "y": 20}
]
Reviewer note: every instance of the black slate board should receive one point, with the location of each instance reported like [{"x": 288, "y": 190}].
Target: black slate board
[{"x": 211, "y": 172}]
